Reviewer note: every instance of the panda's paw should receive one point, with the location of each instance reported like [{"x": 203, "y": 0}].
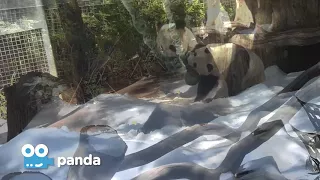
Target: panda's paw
[
  {"x": 198, "y": 99},
  {"x": 191, "y": 79},
  {"x": 208, "y": 100}
]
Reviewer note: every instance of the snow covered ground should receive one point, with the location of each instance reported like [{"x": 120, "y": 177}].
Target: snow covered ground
[{"x": 141, "y": 124}]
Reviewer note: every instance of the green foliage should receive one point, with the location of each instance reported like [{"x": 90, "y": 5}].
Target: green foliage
[
  {"x": 58, "y": 38},
  {"x": 3, "y": 106},
  {"x": 230, "y": 10},
  {"x": 192, "y": 11},
  {"x": 195, "y": 13},
  {"x": 117, "y": 39},
  {"x": 111, "y": 26},
  {"x": 116, "y": 42},
  {"x": 151, "y": 12}
]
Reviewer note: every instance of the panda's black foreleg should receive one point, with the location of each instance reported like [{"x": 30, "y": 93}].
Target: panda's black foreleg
[
  {"x": 202, "y": 90},
  {"x": 191, "y": 77},
  {"x": 205, "y": 85}
]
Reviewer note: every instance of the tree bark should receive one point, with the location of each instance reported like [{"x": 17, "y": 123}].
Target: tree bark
[
  {"x": 25, "y": 98},
  {"x": 283, "y": 15},
  {"x": 72, "y": 24},
  {"x": 289, "y": 14},
  {"x": 295, "y": 37}
]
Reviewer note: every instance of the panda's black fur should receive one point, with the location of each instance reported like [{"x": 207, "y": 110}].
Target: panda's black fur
[
  {"x": 239, "y": 63},
  {"x": 205, "y": 85},
  {"x": 235, "y": 74}
]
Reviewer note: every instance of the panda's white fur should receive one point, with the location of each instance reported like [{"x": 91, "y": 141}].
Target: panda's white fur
[
  {"x": 182, "y": 39},
  {"x": 239, "y": 68}
]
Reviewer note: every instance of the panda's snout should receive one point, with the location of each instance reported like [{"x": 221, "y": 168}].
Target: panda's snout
[
  {"x": 209, "y": 67},
  {"x": 172, "y": 48}
]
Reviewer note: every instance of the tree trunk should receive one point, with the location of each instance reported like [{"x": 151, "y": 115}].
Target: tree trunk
[
  {"x": 25, "y": 98},
  {"x": 20, "y": 111},
  {"x": 294, "y": 37},
  {"x": 283, "y": 15},
  {"x": 72, "y": 24},
  {"x": 289, "y": 14},
  {"x": 263, "y": 13}
]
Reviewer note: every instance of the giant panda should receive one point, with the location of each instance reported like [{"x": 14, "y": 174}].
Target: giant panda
[
  {"x": 239, "y": 69},
  {"x": 174, "y": 40}
]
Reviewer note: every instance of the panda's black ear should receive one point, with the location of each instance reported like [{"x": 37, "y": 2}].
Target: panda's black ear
[{"x": 207, "y": 51}]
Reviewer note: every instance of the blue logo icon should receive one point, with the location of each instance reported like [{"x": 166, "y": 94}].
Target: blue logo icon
[{"x": 36, "y": 158}]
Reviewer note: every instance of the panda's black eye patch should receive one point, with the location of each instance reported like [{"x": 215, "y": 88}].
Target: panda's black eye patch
[
  {"x": 206, "y": 51},
  {"x": 209, "y": 67},
  {"x": 172, "y": 48},
  {"x": 194, "y": 65}
]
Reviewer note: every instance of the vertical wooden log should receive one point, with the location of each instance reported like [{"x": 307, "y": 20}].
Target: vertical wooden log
[
  {"x": 24, "y": 99},
  {"x": 263, "y": 11},
  {"x": 21, "y": 105},
  {"x": 72, "y": 24}
]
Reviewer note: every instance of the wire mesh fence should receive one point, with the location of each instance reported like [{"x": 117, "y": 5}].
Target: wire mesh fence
[
  {"x": 21, "y": 53},
  {"x": 54, "y": 26},
  {"x": 53, "y": 19},
  {"x": 24, "y": 51},
  {"x": 16, "y": 46},
  {"x": 62, "y": 54},
  {"x": 16, "y": 15}
]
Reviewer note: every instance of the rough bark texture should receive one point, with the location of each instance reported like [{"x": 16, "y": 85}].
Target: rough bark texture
[
  {"x": 294, "y": 37},
  {"x": 20, "y": 111},
  {"x": 289, "y": 14},
  {"x": 72, "y": 24},
  {"x": 263, "y": 12},
  {"x": 25, "y": 98},
  {"x": 284, "y": 14},
  {"x": 292, "y": 50}
]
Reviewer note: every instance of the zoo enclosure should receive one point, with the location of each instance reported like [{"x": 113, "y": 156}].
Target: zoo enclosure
[
  {"x": 24, "y": 40},
  {"x": 34, "y": 40},
  {"x": 25, "y": 45}
]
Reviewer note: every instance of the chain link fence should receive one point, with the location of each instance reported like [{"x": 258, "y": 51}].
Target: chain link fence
[
  {"x": 24, "y": 43},
  {"x": 20, "y": 53},
  {"x": 62, "y": 53}
]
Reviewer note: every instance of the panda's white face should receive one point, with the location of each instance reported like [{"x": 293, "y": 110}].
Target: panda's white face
[
  {"x": 173, "y": 42},
  {"x": 202, "y": 61}
]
